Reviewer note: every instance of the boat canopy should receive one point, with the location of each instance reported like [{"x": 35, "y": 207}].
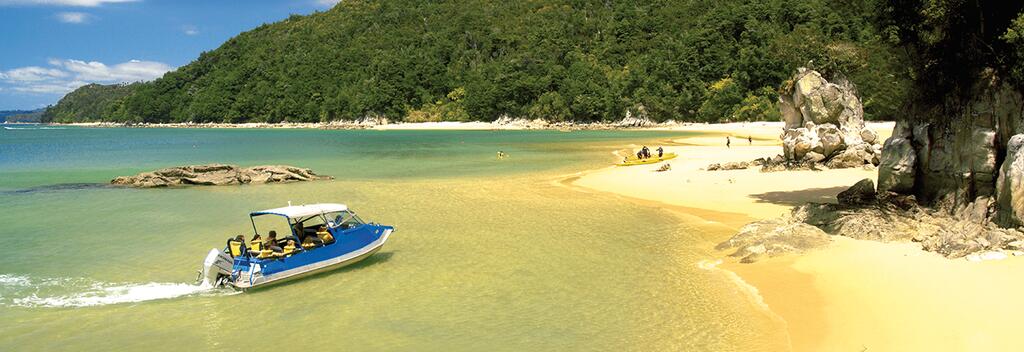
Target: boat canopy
[{"x": 298, "y": 211}]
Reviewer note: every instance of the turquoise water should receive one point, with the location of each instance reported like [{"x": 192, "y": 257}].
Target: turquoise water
[{"x": 488, "y": 254}]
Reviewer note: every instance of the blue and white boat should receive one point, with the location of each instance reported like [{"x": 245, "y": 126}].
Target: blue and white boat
[{"x": 319, "y": 237}]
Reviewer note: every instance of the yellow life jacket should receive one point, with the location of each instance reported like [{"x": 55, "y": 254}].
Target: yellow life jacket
[
  {"x": 266, "y": 253},
  {"x": 256, "y": 245},
  {"x": 325, "y": 236},
  {"x": 289, "y": 249},
  {"x": 235, "y": 247},
  {"x": 308, "y": 242}
]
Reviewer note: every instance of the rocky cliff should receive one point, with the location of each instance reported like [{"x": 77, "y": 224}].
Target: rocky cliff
[{"x": 964, "y": 156}]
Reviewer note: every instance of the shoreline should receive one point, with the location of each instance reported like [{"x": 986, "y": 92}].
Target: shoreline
[
  {"x": 501, "y": 124},
  {"x": 850, "y": 295}
]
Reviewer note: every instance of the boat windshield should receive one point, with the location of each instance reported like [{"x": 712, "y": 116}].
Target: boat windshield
[
  {"x": 343, "y": 219},
  {"x": 264, "y": 224}
]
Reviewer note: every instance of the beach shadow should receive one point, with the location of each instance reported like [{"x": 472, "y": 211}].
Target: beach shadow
[
  {"x": 800, "y": 197},
  {"x": 376, "y": 258}
]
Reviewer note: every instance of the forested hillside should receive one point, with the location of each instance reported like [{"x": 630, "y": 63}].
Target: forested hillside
[{"x": 691, "y": 60}]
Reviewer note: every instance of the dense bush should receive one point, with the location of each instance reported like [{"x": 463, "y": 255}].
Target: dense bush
[{"x": 557, "y": 59}]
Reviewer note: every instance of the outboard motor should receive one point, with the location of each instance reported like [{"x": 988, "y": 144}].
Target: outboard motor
[{"x": 216, "y": 268}]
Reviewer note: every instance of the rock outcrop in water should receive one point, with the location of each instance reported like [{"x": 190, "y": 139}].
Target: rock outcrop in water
[
  {"x": 218, "y": 175},
  {"x": 825, "y": 123}
]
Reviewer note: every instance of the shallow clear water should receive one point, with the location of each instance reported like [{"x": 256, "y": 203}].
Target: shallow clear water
[{"x": 487, "y": 255}]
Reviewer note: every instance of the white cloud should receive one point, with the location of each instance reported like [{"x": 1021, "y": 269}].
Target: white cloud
[
  {"x": 33, "y": 74},
  {"x": 131, "y": 71},
  {"x": 73, "y": 17},
  {"x": 67, "y": 75},
  {"x": 50, "y": 88},
  {"x": 76, "y": 3},
  {"x": 190, "y": 29}
]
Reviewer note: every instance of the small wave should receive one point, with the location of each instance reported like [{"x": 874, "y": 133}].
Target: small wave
[
  {"x": 709, "y": 264},
  {"x": 23, "y": 291},
  {"x": 14, "y": 280},
  {"x": 752, "y": 292}
]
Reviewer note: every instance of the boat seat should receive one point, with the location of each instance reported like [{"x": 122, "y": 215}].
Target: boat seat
[
  {"x": 236, "y": 248},
  {"x": 256, "y": 248}
]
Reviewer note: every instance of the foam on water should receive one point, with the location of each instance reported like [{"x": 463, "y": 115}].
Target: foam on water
[
  {"x": 33, "y": 128},
  {"x": 751, "y": 291},
  {"x": 23, "y": 291}
]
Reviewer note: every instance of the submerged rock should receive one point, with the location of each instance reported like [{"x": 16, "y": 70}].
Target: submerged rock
[{"x": 217, "y": 175}]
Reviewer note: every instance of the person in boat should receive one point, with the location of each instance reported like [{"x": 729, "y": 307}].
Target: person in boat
[
  {"x": 272, "y": 242},
  {"x": 255, "y": 245},
  {"x": 289, "y": 248},
  {"x": 646, "y": 151},
  {"x": 324, "y": 236},
  {"x": 313, "y": 240},
  {"x": 660, "y": 152},
  {"x": 639, "y": 155}
]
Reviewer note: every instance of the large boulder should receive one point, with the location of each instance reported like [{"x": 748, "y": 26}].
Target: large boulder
[
  {"x": 821, "y": 101},
  {"x": 896, "y": 167},
  {"x": 862, "y": 192},
  {"x": 831, "y": 139},
  {"x": 825, "y": 118},
  {"x": 1010, "y": 185},
  {"x": 217, "y": 175},
  {"x": 850, "y": 158}
]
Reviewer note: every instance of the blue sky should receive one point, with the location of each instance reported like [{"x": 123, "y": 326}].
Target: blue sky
[{"x": 50, "y": 47}]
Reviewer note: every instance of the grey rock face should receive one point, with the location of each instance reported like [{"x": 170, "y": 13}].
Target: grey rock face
[
  {"x": 896, "y": 167},
  {"x": 217, "y": 175},
  {"x": 1010, "y": 184}
]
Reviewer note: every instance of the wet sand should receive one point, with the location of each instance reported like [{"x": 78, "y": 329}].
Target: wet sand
[{"x": 850, "y": 296}]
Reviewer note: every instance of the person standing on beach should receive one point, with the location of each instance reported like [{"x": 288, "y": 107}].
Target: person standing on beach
[
  {"x": 728, "y": 142},
  {"x": 750, "y": 140}
]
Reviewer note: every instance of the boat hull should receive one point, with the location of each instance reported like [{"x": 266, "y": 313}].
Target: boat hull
[
  {"x": 253, "y": 274},
  {"x": 632, "y": 161}
]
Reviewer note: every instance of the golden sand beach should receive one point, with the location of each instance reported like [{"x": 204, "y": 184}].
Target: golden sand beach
[{"x": 853, "y": 295}]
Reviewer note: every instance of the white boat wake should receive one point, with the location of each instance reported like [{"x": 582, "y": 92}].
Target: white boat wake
[
  {"x": 34, "y": 128},
  {"x": 23, "y": 291}
]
